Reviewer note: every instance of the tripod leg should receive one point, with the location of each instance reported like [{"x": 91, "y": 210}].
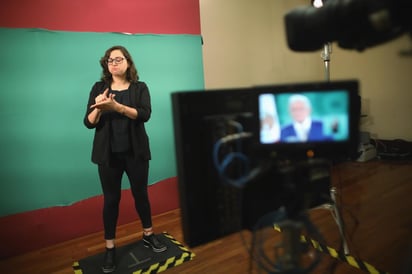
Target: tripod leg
[{"x": 338, "y": 220}]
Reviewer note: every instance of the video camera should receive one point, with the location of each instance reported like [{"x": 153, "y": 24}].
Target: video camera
[
  {"x": 240, "y": 158},
  {"x": 231, "y": 166},
  {"x": 240, "y": 168}
]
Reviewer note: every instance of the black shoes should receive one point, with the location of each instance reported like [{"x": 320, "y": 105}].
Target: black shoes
[
  {"x": 152, "y": 242},
  {"x": 109, "y": 262}
]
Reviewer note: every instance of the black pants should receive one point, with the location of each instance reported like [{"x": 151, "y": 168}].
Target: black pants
[{"x": 111, "y": 177}]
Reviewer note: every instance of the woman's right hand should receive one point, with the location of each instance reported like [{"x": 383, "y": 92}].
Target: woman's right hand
[
  {"x": 94, "y": 116},
  {"x": 101, "y": 97}
]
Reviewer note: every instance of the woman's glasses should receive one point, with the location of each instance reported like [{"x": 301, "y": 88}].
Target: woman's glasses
[{"x": 117, "y": 60}]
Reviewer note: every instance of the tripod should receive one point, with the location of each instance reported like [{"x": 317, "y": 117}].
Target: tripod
[
  {"x": 337, "y": 216},
  {"x": 304, "y": 185}
]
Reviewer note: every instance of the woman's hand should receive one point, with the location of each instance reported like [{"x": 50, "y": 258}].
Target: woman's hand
[
  {"x": 101, "y": 97},
  {"x": 106, "y": 101}
]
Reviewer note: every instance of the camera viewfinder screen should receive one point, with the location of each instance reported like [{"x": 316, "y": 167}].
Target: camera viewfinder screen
[{"x": 310, "y": 116}]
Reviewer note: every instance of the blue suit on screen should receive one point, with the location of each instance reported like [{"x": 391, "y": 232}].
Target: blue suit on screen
[{"x": 288, "y": 133}]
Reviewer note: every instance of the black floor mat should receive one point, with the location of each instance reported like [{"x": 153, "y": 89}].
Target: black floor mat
[{"x": 134, "y": 258}]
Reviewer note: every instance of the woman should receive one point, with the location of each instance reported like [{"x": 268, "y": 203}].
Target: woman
[{"x": 117, "y": 109}]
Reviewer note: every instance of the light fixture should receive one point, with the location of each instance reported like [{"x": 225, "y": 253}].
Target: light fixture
[{"x": 317, "y": 3}]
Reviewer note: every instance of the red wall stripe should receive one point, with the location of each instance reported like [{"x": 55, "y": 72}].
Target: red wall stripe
[
  {"x": 27, "y": 231},
  {"x": 131, "y": 16}
]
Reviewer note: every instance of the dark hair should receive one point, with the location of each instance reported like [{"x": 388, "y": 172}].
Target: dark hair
[{"x": 131, "y": 72}]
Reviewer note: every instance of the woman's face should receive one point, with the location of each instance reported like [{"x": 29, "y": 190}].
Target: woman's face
[{"x": 117, "y": 63}]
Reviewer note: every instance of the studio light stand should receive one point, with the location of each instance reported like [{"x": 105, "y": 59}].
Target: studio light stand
[
  {"x": 327, "y": 50},
  {"x": 337, "y": 216},
  {"x": 333, "y": 207}
]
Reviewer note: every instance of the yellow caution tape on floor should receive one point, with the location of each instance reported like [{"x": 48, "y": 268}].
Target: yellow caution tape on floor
[
  {"x": 76, "y": 268},
  {"x": 352, "y": 261},
  {"x": 170, "y": 262}
]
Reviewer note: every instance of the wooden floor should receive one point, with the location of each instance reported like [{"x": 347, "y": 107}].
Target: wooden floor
[{"x": 375, "y": 199}]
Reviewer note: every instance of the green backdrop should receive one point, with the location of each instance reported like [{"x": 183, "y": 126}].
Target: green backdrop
[{"x": 45, "y": 80}]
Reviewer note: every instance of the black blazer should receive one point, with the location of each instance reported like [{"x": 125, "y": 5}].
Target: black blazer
[{"x": 139, "y": 99}]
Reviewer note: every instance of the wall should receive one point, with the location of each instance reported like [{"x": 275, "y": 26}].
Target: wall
[{"x": 245, "y": 44}]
